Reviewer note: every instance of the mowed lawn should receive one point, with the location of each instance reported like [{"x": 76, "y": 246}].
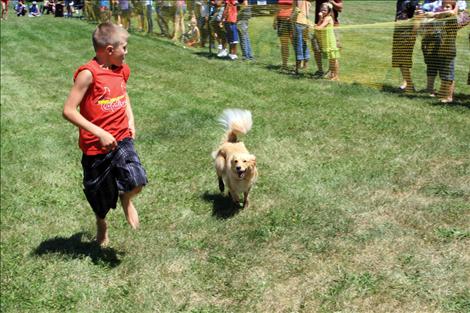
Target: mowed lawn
[{"x": 362, "y": 204}]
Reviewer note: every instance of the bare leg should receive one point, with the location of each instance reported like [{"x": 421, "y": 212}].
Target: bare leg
[
  {"x": 129, "y": 209},
  {"x": 407, "y": 82},
  {"x": 430, "y": 85},
  {"x": 284, "y": 50},
  {"x": 101, "y": 232}
]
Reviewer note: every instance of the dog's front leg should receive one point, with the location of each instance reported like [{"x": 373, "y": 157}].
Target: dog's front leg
[
  {"x": 235, "y": 198},
  {"x": 246, "y": 201},
  {"x": 221, "y": 184}
]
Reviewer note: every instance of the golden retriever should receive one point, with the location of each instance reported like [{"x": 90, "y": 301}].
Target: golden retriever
[{"x": 234, "y": 165}]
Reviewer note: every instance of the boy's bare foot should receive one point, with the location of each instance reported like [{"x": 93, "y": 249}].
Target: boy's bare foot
[
  {"x": 131, "y": 215},
  {"x": 102, "y": 232}
]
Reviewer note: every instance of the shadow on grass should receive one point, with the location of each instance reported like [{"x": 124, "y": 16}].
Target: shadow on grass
[
  {"x": 76, "y": 248},
  {"x": 460, "y": 99},
  {"x": 207, "y": 55},
  {"x": 222, "y": 206}
]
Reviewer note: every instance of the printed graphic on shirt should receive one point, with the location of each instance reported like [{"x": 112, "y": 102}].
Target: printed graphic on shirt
[{"x": 109, "y": 104}]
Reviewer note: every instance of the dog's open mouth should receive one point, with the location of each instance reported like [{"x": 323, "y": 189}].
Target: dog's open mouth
[{"x": 241, "y": 174}]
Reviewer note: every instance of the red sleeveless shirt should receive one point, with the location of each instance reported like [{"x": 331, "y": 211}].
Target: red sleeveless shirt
[{"x": 104, "y": 104}]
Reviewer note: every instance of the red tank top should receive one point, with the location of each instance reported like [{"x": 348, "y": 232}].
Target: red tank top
[{"x": 104, "y": 104}]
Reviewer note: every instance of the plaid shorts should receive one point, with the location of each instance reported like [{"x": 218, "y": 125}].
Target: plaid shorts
[{"x": 105, "y": 175}]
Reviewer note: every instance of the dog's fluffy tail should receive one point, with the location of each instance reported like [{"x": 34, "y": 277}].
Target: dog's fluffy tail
[{"x": 236, "y": 122}]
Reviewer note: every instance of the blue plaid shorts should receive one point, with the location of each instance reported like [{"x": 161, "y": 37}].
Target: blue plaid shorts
[{"x": 105, "y": 175}]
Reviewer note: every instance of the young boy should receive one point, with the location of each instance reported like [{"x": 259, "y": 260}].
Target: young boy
[{"x": 111, "y": 166}]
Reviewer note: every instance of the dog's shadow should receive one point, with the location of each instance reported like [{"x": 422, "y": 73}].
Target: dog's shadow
[
  {"x": 76, "y": 248},
  {"x": 222, "y": 206}
]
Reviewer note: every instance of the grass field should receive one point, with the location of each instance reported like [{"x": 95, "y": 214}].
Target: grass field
[{"x": 362, "y": 204}]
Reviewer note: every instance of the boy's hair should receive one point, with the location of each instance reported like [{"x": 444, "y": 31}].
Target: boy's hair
[{"x": 108, "y": 34}]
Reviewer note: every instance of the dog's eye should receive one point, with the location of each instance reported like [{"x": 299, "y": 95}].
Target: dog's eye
[{"x": 236, "y": 161}]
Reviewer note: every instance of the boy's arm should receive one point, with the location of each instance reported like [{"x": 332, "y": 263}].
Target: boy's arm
[
  {"x": 130, "y": 117},
  {"x": 70, "y": 113}
]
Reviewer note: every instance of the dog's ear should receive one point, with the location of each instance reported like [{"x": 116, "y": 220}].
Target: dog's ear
[{"x": 253, "y": 159}]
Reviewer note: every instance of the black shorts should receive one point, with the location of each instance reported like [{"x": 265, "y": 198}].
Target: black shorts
[{"x": 105, "y": 175}]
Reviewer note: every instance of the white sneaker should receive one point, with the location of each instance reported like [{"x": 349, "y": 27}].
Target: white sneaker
[
  {"x": 222, "y": 53},
  {"x": 233, "y": 56},
  {"x": 219, "y": 49}
]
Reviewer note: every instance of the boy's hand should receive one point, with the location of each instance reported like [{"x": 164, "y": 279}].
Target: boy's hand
[
  {"x": 132, "y": 131},
  {"x": 107, "y": 141}
]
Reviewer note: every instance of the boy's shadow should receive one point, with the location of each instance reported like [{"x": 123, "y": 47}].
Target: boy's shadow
[
  {"x": 222, "y": 206},
  {"x": 76, "y": 248}
]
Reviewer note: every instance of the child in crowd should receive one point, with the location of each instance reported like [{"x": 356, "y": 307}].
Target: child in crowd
[
  {"x": 4, "y": 9},
  {"x": 20, "y": 8},
  {"x": 300, "y": 19},
  {"x": 282, "y": 23},
  {"x": 125, "y": 14},
  {"x": 439, "y": 49},
  {"x": 105, "y": 10},
  {"x": 217, "y": 27},
  {"x": 34, "y": 10},
  {"x": 243, "y": 18},
  {"x": 105, "y": 120},
  {"x": 192, "y": 38},
  {"x": 325, "y": 33},
  {"x": 202, "y": 17},
  {"x": 230, "y": 24},
  {"x": 178, "y": 22}
]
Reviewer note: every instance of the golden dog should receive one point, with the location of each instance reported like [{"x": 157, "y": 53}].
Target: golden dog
[{"x": 234, "y": 165}]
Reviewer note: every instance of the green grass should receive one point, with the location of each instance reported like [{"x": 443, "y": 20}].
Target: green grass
[{"x": 362, "y": 204}]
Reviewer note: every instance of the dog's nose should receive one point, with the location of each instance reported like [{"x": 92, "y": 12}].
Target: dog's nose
[{"x": 238, "y": 168}]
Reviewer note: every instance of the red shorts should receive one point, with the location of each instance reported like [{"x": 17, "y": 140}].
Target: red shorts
[{"x": 5, "y": 1}]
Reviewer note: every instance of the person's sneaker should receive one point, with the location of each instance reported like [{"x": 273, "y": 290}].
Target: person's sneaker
[
  {"x": 318, "y": 74},
  {"x": 233, "y": 56},
  {"x": 223, "y": 53}
]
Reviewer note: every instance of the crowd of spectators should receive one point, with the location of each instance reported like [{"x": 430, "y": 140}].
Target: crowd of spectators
[{"x": 225, "y": 25}]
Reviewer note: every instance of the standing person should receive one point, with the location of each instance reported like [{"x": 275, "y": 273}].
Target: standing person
[
  {"x": 337, "y": 8},
  {"x": 111, "y": 166},
  {"x": 162, "y": 8},
  {"x": 243, "y": 18},
  {"x": 202, "y": 17},
  {"x": 404, "y": 38},
  {"x": 178, "y": 22},
  {"x": 230, "y": 25},
  {"x": 4, "y": 9},
  {"x": 300, "y": 18},
  {"x": 283, "y": 24},
  {"x": 328, "y": 39},
  {"x": 125, "y": 14},
  {"x": 439, "y": 50},
  {"x": 148, "y": 15}
]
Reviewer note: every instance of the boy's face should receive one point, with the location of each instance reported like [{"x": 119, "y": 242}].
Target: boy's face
[{"x": 118, "y": 53}]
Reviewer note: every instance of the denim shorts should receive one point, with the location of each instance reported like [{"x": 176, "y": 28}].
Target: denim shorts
[
  {"x": 444, "y": 66},
  {"x": 105, "y": 175},
  {"x": 232, "y": 32}
]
